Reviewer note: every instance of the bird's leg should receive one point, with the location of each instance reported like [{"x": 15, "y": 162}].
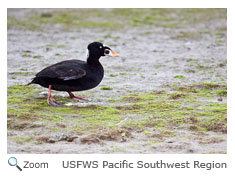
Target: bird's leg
[
  {"x": 50, "y": 100},
  {"x": 72, "y": 96}
]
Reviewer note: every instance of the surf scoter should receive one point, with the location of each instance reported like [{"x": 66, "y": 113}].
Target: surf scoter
[{"x": 74, "y": 75}]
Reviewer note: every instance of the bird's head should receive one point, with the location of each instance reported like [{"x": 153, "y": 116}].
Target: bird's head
[{"x": 96, "y": 49}]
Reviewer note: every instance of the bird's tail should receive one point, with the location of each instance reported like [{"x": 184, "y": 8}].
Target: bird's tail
[{"x": 28, "y": 84}]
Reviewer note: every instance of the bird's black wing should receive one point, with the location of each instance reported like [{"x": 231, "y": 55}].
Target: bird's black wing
[{"x": 66, "y": 70}]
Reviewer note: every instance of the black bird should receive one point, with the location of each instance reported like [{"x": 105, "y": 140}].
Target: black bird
[{"x": 74, "y": 75}]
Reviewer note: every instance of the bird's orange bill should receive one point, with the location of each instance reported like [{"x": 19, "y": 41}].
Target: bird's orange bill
[{"x": 114, "y": 54}]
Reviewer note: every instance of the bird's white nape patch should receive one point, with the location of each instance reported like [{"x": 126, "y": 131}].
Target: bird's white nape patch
[{"x": 87, "y": 53}]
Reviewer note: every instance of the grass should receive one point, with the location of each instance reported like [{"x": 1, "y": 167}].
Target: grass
[
  {"x": 23, "y": 73},
  {"x": 156, "y": 66},
  {"x": 188, "y": 35},
  {"x": 179, "y": 76},
  {"x": 221, "y": 92},
  {"x": 106, "y": 88},
  {"x": 56, "y": 46},
  {"x": 25, "y": 55},
  {"x": 212, "y": 85},
  {"x": 123, "y": 74},
  {"x": 158, "y": 109},
  {"x": 37, "y": 56},
  {"x": 117, "y": 18},
  {"x": 220, "y": 41},
  {"x": 113, "y": 37},
  {"x": 113, "y": 75}
]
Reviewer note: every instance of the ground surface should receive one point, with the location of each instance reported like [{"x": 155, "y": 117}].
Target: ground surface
[{"x": 165, "y": 94}]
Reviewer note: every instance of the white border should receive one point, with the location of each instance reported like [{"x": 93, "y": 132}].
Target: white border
[{"x": 55, "y": 160}]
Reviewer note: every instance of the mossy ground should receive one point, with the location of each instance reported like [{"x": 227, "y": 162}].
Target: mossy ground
[
  {"x": 145, "y": 113},
  {"x": 104, "y": 18}
]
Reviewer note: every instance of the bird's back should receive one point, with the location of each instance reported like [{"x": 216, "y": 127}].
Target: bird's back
[{"x": 70, "y": 75}]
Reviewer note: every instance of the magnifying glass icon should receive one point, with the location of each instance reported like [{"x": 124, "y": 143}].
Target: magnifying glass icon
[{"x": 12, "y": 161}]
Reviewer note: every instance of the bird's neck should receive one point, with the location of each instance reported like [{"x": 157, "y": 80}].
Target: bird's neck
[{"x": 93, "y": 60}]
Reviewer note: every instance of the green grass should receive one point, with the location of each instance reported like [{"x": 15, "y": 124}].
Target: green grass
[
  {"x": 106, "y": 88},
  {"x": 187, "y": 108},
  {"x": 188, "y": 35},
  {"x": 117, "y": 18},
  {"x": 56, "y": 46},
  {"x": 113, "y": 75},
  {"x": 220, "y": 41},
  {"x": 23, "y": 73},
  {"x": 123, "y": 74},
  {"x": 37, "y": 56},
  {"x": 179, "y": 76},
  {"x": 25, "y": 55}
]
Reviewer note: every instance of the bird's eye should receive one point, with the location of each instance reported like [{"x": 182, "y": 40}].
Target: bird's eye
[{"x": 107, "y": 52}]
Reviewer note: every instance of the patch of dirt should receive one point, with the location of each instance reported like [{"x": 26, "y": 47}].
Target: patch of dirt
[
  {"x": 132, "y": 99},
  {"x": 218, "y": 127},
  {"x": 212, "y": 140},
  {"x": 187, "y": 89},
  {"x": 17, "y": 125},
  {"x": 56, "y": 138},
  {"x": 132, "y": 107},
  {"x": 61, "y": 125},
  {"x": 193, "y": 127},
  {"x": 120, "y": 135},
  {"x": 211, "y": 86},
  {"x": 90, "y": 139},
  {"x": 177, "y": 96},
  {"x": 158, "y": 92}
]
